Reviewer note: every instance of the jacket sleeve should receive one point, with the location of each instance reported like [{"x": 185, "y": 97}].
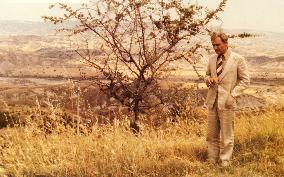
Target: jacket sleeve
[
  {"x": 243, "y": 78},
  {"x": 208, "y": 72}
]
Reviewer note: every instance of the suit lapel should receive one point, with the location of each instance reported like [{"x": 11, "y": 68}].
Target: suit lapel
[
  {"x": 213, "y": 66},
  {"x": 227, "y": 67}
]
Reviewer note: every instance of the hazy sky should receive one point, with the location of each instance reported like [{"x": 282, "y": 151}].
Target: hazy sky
[{"x": 242, "y": 14}]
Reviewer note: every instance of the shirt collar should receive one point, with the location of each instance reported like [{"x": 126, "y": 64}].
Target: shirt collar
[{"x": 227, "y": 54}]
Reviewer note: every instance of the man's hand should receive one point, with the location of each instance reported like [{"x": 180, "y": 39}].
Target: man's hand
[{"x": 210, "y": 82}]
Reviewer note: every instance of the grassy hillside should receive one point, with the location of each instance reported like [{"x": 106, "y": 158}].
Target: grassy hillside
[{"x": 171, "y": 149}]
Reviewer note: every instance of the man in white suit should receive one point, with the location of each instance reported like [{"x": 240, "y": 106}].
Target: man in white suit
[{"x": 227, "y": 76}]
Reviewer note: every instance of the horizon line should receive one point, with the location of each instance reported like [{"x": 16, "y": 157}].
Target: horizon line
[{"x": 226, "y": 28}]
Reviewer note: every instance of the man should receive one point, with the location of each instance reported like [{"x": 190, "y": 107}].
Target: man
[{"x": 227, "y": 76}]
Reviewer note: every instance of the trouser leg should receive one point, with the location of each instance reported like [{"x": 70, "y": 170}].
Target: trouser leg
[
  {"x": 227, "y": 134},
  {"x": 213, "y": 134}
]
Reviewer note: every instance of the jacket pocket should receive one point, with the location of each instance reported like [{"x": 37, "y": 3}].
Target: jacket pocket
[{"x": 231, "y": 102}]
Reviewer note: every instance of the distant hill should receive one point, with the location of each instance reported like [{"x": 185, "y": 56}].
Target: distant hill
[
  {"x": 268, "y": 63},
  {"x": 14, "y": 27},
  {"x": 268, "y": 44},
  {"x": 24, "y": 28},
  {"x": 265, "y": 60},
  {"x": 26, "y": 45}
]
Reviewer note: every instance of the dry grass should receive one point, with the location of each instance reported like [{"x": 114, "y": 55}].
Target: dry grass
[{"x": 173, "y": 149}]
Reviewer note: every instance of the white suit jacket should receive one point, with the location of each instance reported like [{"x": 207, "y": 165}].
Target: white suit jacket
[{"x": 231, "y": 82}]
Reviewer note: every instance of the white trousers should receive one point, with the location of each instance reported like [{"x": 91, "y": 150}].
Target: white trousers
[{"x": 220, "y": 134}]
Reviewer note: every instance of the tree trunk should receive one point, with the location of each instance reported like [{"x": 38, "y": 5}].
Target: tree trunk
[{"x": 133, "y": 123}]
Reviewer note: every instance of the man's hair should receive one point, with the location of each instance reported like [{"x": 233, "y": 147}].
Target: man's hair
[{"x": 221, "y": 35}]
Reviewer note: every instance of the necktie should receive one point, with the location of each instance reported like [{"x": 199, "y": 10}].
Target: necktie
[{"x": 219, "y": 64}]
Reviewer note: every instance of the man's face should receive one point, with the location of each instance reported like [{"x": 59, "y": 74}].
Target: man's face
[{"x": 219, "y": 46}]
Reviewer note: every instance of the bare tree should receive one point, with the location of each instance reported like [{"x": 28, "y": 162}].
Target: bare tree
[{"x": 137, "y": 39}]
